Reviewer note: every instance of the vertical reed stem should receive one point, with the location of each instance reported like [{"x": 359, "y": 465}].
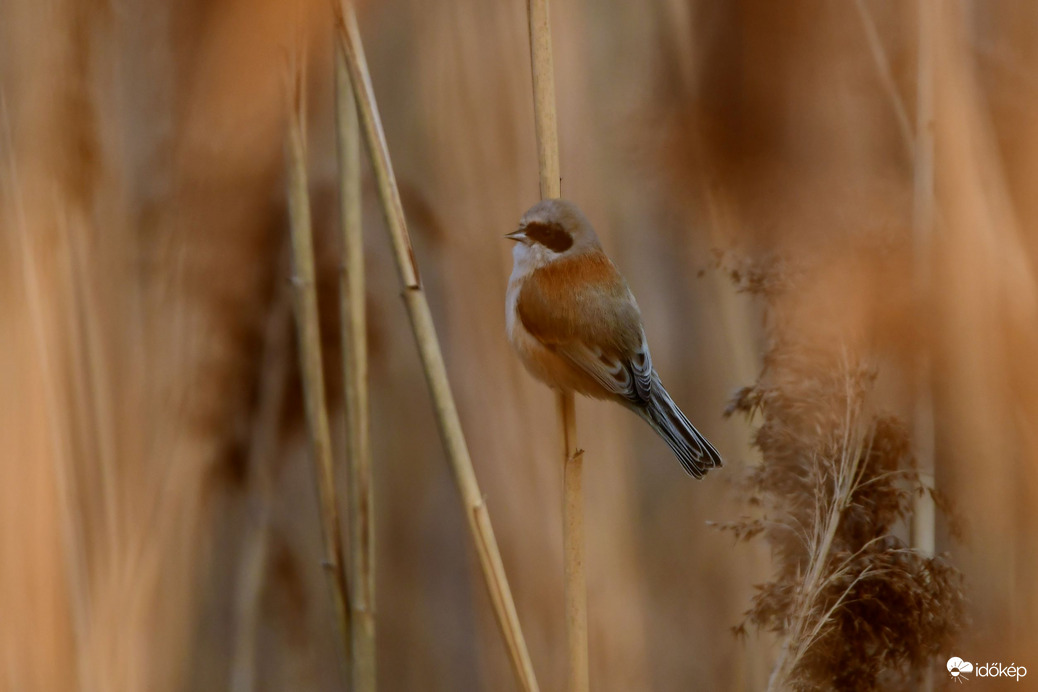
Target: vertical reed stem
[
  {"x": 575, "y": 587},
  {"x": 546, "y": 127},
  {"x": 305, "y": 304},
  {"x": 355, "y": 370},
  {"x": 263, "y": 445},
  {"x": 545, "y": 121},
  {"x": 923, "y": 220},
  {"x": 924, "y": 512},
  {"x": 429, "y": 351}
]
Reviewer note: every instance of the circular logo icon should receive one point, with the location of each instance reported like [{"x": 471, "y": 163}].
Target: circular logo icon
[{"x": 956, "y": 666}]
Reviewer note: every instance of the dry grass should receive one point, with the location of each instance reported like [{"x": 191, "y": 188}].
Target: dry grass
[
  {"x": 352, "y": 297},
  {"x": 304, "y": 280},
  {"x": 854, "y": 604}
]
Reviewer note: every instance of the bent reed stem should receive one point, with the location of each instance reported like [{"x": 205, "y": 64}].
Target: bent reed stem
[{"x": 478, "y": 520}]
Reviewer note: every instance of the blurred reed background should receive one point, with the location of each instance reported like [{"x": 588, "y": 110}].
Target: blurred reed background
[{"x": 158, "y": 523}]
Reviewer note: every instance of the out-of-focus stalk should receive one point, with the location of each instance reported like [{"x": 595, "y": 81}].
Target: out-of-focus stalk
[
  {"x": 924, "y": 514},
  {"x": 886, "y": 76},
  {"x": 355, "y": 371},
  {"x": 311, "y": 367},
  {"x": 263, "y": 445},
  {"x": 575, "y": 584},
  {"x": 429, "y": 350}
]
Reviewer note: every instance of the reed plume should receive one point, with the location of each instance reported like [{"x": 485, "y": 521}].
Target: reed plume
[{"x": 855, "y": 607}]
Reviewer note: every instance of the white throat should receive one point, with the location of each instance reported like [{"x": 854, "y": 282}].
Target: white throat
[{"x": 528, "y": 258}]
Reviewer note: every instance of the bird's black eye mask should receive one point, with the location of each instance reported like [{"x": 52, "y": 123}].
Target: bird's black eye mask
[{"x": 551, "y": 235}]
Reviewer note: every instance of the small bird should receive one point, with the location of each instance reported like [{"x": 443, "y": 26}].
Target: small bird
[{"x": 576, "y": 326}]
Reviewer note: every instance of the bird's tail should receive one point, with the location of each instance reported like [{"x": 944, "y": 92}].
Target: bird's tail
[{"x": 695, "y": 453}]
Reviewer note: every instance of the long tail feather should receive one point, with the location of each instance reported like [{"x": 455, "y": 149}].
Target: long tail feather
[{"x": 694, "y": 451}]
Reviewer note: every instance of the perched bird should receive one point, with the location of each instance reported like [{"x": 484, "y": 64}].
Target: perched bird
[{"x": 576, "y": 326}]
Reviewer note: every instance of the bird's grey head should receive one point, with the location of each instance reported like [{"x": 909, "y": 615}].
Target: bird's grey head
[{"x": 551, "y": 229}]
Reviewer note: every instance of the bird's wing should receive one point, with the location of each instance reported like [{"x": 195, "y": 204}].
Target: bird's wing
[{"x": 581, "y": 309}]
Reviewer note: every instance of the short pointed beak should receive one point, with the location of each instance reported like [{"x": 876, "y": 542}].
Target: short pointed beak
[{"x": 519, "y": 235}]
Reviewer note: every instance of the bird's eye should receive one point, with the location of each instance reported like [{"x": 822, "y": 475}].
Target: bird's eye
[{"x": 551, "y": 235}]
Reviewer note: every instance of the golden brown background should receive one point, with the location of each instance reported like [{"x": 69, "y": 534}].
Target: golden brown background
[{"x": 158, "y": 524}]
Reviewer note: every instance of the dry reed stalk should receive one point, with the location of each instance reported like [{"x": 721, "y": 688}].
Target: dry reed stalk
[
  {"x": 545, "y": 120},
  {"x": 41, "y": 306},
  {"x": 546, "y": 126},
  {"x": 311, "y": 368},
  {"x": 920, "y": 145},
  {"x": 922, "y": 229},
  {"x": 886, "y": 76},
  {"x": 575, "y": 583},
  {"x": 924, "y": 513},
  {"x": 355, "y": 371},
  {"x": 70, "y": 521},
  {"x": 478, "y": 519},
  {"x": 263, "y": 446}
]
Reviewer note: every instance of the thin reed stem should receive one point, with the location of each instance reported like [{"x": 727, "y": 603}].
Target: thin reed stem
[
  {"x": 311, "y": 367},
  {"x": 429, "y": 351},
  {"x": 922, "y": 229},
  {"x": 355, "y": 371},
  {"x": 70, "y": 523},
  {"x": 924, "y": 514},
  {"x": 544, "y": 113},
  {"x": 575, "y": 588},
  {"x": 263, "y": 445},
  {"x": 886, "y": 76}
]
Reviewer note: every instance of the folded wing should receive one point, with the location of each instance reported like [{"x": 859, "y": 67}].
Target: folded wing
[{"x": 582, "y": 310}]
